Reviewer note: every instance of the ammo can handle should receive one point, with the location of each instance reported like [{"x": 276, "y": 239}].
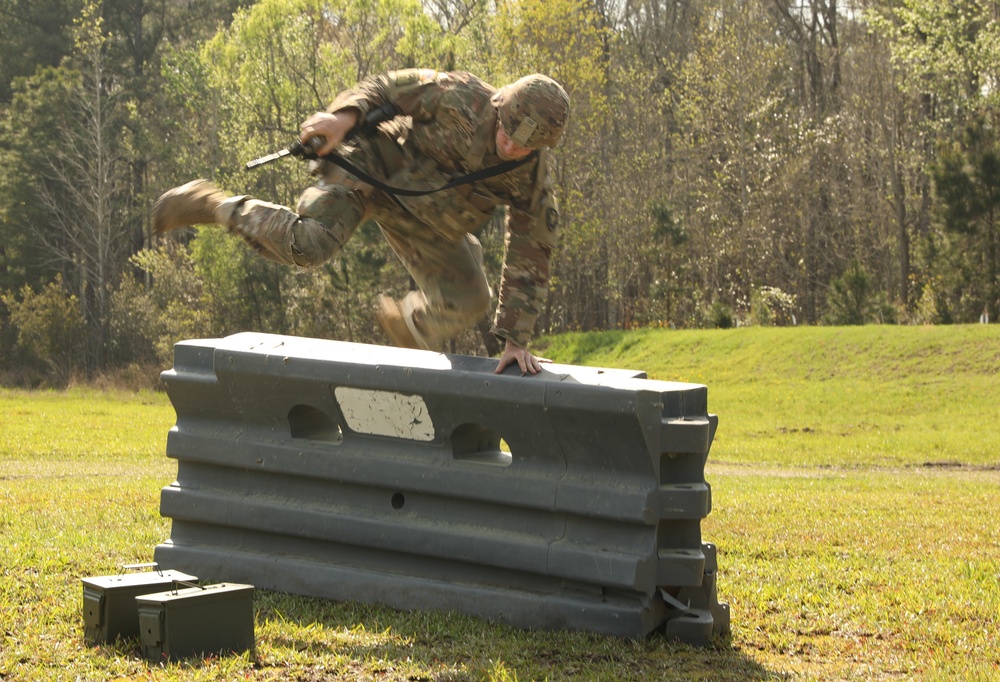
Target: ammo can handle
[{"x": 135, "y": 567}]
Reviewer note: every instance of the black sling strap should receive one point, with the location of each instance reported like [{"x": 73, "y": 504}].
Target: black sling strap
[
  {"x": 372, "y": 120},
  {"x": 475, "y": 176},
  {"x": 388, "y": 111}
]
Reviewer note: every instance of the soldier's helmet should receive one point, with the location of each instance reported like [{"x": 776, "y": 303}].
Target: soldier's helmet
[{"x": 533, "y": 110}]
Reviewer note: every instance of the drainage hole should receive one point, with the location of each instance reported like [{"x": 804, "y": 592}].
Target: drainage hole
[{"x": 397, "y": 501}]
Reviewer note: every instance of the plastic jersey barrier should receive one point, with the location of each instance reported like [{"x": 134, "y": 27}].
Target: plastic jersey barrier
[{"x": 571, "y": 499}]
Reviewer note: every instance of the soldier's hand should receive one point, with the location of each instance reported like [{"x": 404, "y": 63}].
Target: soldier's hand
[
  {"x": 528, "y": 363},
  {"x": 333, "y": 127}
]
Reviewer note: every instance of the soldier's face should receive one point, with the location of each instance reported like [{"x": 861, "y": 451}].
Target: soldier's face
[{"x": 507, "y": 149}]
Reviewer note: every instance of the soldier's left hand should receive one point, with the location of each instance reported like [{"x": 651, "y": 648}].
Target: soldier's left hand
[{"x": 528, "y": 363}]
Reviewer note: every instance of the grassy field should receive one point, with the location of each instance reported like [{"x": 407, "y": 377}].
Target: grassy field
[{"x": 856, "y": 488}]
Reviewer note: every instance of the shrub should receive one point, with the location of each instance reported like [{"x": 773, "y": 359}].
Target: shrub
[
  {"x": 771, "y": 307},
  {"x": 50, "y": 327},
  {"x": 152, "y": 319},
  {"x": 853, "y": 300},
  {"x": 132, "y": 321},
  {"x": 721, "y": 316}
]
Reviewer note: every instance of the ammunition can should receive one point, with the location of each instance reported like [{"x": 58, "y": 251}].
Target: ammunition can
[
  {"x": 109, "y": 602},
  {"x": 186, "y": 622}
]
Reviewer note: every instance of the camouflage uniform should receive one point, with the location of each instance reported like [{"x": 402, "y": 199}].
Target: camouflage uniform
[{"x": 450, "y": 131}]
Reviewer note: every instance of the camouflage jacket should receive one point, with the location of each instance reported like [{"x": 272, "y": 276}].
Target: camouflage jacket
[{"x": 453, "y": 132}]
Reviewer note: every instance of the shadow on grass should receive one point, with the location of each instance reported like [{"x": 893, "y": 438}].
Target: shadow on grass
[{"x": 336, "y": 639}]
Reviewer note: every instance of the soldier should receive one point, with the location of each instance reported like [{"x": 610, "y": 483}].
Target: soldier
[{"x": 424, "y": 129}]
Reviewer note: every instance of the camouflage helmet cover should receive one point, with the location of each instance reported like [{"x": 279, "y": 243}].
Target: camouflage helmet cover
[{"x": 533, "y": 110}]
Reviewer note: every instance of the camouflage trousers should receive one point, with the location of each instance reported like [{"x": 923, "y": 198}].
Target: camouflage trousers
[{"x": 454, "y": 292}]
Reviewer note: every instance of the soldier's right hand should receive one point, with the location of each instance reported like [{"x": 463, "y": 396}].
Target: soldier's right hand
[{"x": 333, "y": 127}]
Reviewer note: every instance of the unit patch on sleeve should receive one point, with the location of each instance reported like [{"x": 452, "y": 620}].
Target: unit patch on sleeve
[{"x": 552, "y": 218}]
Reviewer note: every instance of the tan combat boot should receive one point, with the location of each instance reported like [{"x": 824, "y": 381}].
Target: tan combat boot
[
  {"x": 395, "y": 325},
  {"x": 192, "y": 204}
]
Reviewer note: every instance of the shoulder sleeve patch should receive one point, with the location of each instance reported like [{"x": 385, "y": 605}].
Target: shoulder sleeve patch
[{"x": 552, "y": 218}]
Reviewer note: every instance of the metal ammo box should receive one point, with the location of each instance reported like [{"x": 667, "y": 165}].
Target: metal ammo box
[
  {"x": 109, "y": 601},
  {"x": 196, "y": 620}
]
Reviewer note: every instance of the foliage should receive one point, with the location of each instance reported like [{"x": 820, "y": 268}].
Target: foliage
[
  {"x": 950, "y": 51},
  {"x": 967, "y": 184},
  {"x": 179, "y": 292},
  {"x": 668, "y": 292},
  {"x": 133, "y": 324},
  {"x": 234, "y": 282},
  {"x": 771, "y": 307},
  {"x": 720, "y": 316},
  {"x": 172, "y": 308},
  {"x": 80, "y": 208},
  {"x": 713, "y": 146},
  {"x": 50, "y": 327},
  {"x": 281, "y": 60},
  {"x": 27, "y": 148},
  {"x": 944, "y": 56},
  {"x": 933, "y": 306},
  {"x": 32, "y": 34},
  {"x": 849, "y": 299},
  {"x": 853, "y": 300}
]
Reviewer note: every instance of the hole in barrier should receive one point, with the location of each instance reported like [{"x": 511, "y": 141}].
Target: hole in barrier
[
  {"x": 306, "y": 421},
  {"x": 476, "y": 443},
  {"x": 397, "y": 501}
]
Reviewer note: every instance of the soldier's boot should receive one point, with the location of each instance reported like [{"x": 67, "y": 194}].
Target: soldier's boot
[
  {"x": 195, "y": 203},
  {"x": 398, "y": 325}
]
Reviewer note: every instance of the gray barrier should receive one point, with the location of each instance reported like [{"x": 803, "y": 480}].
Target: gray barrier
[{"x": 356, "y": 472}]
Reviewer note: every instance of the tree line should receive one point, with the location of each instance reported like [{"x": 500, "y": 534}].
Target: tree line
[{"x": 727, "y": 162}]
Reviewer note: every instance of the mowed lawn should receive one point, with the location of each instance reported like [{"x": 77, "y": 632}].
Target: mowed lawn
[{"x": 856, "y": 492}]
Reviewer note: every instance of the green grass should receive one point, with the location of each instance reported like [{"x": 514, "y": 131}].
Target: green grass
[
  {"x": 856, "y": 487},
  {"x": 820, "y": 396}
]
